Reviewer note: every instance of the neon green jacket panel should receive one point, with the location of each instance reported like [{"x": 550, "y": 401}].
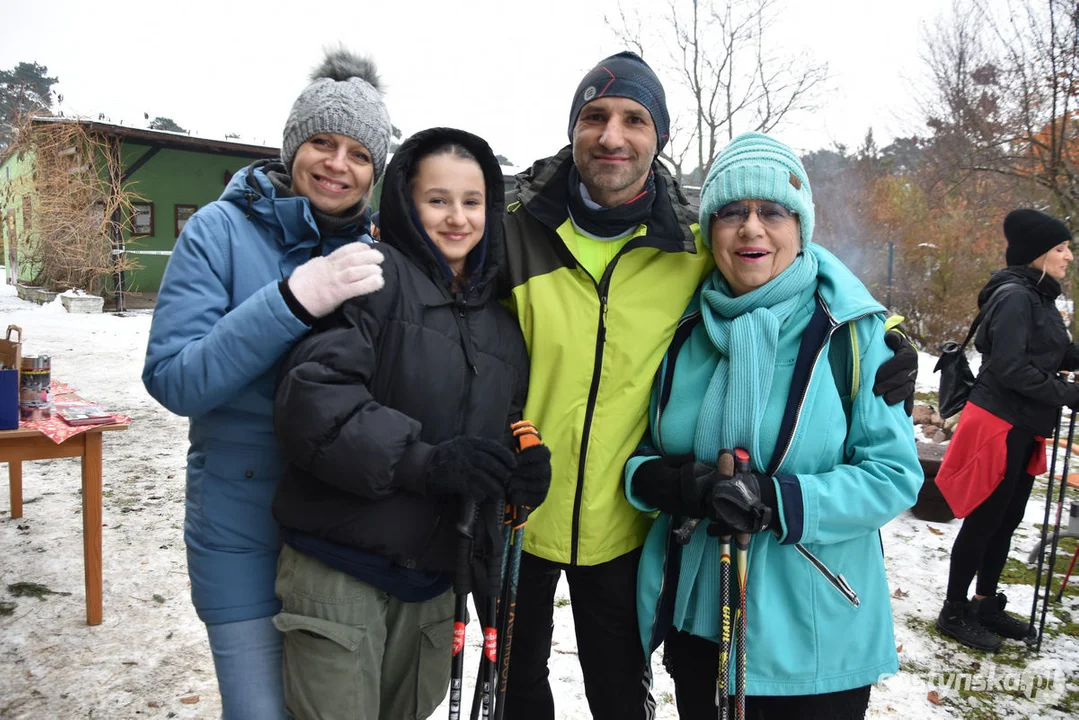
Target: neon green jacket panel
[
  {"x": 593, "y": 363},
  {"x": 595, "y": 255}
]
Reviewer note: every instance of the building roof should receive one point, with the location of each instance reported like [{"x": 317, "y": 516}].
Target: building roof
[{"x": 167, "y": 140}]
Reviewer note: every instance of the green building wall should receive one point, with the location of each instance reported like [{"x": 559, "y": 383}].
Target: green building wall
[
  {"x": 14, "y": 181},
  {"x": 168, "y": 179}
]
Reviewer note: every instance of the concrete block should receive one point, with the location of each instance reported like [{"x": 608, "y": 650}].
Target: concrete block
[{"x": 83, "y": 303}]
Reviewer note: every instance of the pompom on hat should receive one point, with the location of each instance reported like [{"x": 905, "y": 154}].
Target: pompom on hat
[
  {"x": 756, "y": 166},
  {"x": 1031, "y": 234},
  {"x": 345, "y": 98}
]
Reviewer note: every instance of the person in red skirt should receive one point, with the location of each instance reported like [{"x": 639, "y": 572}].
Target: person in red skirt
[{"x": 999, "y": 445}]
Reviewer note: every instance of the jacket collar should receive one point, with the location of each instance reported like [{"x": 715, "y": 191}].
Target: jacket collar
[
  {"x": 843, "y": 294},
  {"x": 1024, "y": 275},
  {"x": 252, "y": 191}
]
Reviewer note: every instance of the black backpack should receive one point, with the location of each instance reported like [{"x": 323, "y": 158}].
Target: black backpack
[{"x": 956, "y": 378}]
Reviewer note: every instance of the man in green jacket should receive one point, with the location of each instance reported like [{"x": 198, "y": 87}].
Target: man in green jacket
[{"x": 603, "y": 253}]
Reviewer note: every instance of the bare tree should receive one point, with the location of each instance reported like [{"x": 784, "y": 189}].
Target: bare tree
[
  {"x": 1004, "y": 95},
  {"x": 718, "y": 51}
]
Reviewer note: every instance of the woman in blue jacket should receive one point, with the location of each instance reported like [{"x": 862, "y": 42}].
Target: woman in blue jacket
[
  {"x": 250, "y": 273},
  {"x": 770, "y": 358}
]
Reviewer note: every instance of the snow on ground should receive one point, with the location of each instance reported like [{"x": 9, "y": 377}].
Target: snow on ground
[{"x": 150, "y": 659}]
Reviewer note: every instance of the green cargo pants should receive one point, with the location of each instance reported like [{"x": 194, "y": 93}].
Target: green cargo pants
[{"x": 353, "y": 652}]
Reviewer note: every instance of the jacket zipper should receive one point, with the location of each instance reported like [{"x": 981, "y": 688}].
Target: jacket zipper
[
  {"x": 590, "y": 409},
  {"x": 470, "y": 370},
  {"x": 602, "y": 287},
  {"x": 805, "y": 391},
  {"x": 837, "y": 581}
]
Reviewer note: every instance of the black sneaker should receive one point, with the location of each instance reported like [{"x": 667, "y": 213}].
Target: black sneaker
[
  {"x": 959, "y": 620},
  {"x": 992, "y": 617}
]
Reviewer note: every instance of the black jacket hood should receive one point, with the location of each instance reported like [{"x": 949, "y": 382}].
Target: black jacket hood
[{"x": 399, "y": 225}]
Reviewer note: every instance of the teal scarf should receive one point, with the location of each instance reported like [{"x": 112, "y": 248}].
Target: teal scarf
[{"x": 745, "y": 332}]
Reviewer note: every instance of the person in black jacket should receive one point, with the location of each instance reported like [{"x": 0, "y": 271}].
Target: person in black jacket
[
  {"x": 395, "y": 410},
  {"x": 999, "y": 445}
]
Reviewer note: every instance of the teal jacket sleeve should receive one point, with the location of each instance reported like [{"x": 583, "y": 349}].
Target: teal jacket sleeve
[
  {"x": 204, "y": 348},
  {"x": 646, "y": 450}
]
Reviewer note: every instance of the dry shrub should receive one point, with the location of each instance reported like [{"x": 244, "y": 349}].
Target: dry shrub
[{"x": 80, "y": 204}]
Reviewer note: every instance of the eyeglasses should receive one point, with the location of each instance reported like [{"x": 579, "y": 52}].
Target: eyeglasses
[{"x": 770, "y": 213}]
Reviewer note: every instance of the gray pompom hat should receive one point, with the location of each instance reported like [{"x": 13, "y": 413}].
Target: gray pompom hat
[{"x": 344, "y": 97}]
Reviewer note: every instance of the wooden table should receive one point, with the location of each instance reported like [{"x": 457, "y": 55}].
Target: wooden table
[{"x": 24, "y": 444}]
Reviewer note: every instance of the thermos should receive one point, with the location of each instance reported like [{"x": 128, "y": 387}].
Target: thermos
[{"x": 35, "y": 396}]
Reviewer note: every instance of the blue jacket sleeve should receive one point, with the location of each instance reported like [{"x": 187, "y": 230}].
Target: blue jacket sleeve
[
  {"x": 203, "y": 348},
  {"x": 881, "y": 476}
]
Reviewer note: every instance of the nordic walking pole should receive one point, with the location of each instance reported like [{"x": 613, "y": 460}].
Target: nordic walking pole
[
  {"x": 503, "y": 603},
  {"x": 509, "y": 611},
  {"x": 481, "y": 698},
  {"x": 1056, "y": 532},
  {"x": 526, "y": 436},
  {"x": 462, "y": 586},
  {"x": 1064, "y": 585},
  {"x": 725, "y": 465},
  {"x": 490, "y": 647},
  {"x": 1045, "y": 520},
  {"x": 741, "y": 543}
]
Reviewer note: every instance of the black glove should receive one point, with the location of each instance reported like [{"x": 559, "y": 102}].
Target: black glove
[
  {"x": 676, "y": 485},
  {"x": 472, "y": 467},
  {"x": 895, "y": 378},
  {"x": 1073, "y": 396},
  {"x": 744, "y": 503},
  {"x": 528, "y": 485},
  {"x": 487, "y": 547}
]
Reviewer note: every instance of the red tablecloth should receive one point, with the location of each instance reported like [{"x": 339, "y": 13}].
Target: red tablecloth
[{"x": 55, "y": 428}]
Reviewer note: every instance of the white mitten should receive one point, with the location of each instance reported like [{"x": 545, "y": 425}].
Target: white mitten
[{"x": 321, "y": 284}]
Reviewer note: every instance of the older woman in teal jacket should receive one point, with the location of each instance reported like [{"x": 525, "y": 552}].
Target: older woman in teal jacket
[{"x": 770, "y": 358}]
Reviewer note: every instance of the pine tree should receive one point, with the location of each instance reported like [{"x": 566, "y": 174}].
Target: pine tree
[{"x": 23, "y": 89}]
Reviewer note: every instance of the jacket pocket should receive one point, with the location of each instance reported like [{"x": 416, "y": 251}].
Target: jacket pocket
[
  {"x": 836, "y": 581},
  {"x": 434, "y": 663},
  {"x": 238, "y": 486},
  {"x": 323, "y": 666}
]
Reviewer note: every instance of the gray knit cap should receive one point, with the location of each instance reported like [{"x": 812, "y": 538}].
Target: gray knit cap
[{"x": 344, "y": 97}]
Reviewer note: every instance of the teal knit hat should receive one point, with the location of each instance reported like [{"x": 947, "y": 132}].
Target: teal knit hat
[{"x": 757, "y": 167}]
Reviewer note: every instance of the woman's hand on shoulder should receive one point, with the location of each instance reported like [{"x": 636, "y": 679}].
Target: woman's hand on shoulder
[{"x": 321, "y": 284}]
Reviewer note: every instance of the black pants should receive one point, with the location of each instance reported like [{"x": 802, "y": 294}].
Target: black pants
[
  {"x": 604, "y": 603},
  {"x": 982, "y": 543},
  {"x": 693, "y": 663}
]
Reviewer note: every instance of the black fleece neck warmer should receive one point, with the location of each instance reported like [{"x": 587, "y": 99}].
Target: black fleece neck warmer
[{"x": 613, "y": 222}]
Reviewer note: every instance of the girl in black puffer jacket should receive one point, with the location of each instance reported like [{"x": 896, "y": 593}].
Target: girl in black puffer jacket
[
  {"x": 393, "y": 411},
  {"x": 999, "y": 445}
]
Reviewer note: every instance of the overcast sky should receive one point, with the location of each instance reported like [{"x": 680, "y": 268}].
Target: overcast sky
[{"x": 504, "y": 70}]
